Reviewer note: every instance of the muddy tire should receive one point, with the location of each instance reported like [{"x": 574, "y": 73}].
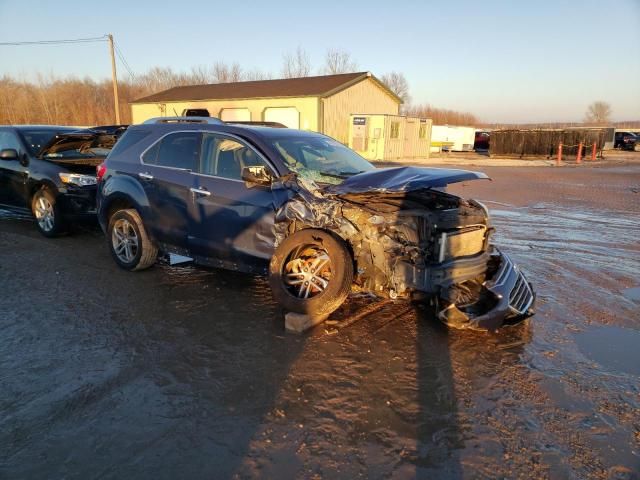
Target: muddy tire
[
  {"x": 128, "y": 241},
  {"x": 48, "y": 214},
  {"x": 311, "y": 272}
]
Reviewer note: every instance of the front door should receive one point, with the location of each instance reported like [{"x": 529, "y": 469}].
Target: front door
[
  {"x": 12, "y": 172},
  {"x": 231, "y": 223},
  {"x": 167, "y": 180}
]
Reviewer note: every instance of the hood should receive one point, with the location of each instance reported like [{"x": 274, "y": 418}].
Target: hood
[
  {"x": 81, "y": 146},
  {"x": 403, "y": 179}
]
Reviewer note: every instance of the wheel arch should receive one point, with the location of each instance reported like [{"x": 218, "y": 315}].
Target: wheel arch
[
  {"x": 297, "y": 227},
  {"x": 39, "y": 185},
  {"x": 121, "y": 192}
]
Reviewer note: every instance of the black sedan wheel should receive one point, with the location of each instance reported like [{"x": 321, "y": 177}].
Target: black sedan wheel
[{"x": 48, "y": 216}]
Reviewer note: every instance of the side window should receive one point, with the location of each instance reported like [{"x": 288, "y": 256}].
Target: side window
[
  {"x": 226, "y": 157},
  {"x": 395, "y": 130},
  {"x": 150, "y": 157},
  {"x": 176, "y": 150},
  {"x": 9, "y": 140}
]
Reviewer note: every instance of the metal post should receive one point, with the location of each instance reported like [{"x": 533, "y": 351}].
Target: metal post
[
  {"x": 593, "y": 151},
  {"x": 559, "y": 159},
  {"x": 579, "y": 157},
  {"x": 114, "y": 79}
]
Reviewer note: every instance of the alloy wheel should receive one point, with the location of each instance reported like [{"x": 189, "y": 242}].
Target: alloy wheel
[
  {"x": 307, "y": 271},
  {"x": 45, "y": 214},
  {"x": 124, "y": 240}
]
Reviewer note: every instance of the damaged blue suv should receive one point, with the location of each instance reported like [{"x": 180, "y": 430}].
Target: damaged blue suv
[{"x": 308, "y": 212}]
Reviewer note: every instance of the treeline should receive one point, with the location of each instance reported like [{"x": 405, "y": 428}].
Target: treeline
[
  {"x": 74, "y": 101},
  {"x": 443, "y": 116}
]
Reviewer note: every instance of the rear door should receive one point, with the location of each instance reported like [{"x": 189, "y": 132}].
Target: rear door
[
  {"x": 167, "y": 180},
  {"x": 230, "y": 222},
  {"x": 12, "y": 172}
]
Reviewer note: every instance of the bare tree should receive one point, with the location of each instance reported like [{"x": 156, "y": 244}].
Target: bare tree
[
  {"x": 338, "y": 61},
  {"x": 398, "y": 84},
  {"x": 162, "y": 78},
  {"x": 598, "y": 112},
  {"x": 201, "y": 75},
  {"x": 223, "y": 73},
  {"x": 257, "y": 74},
  {"x": 296, "y": 64}
]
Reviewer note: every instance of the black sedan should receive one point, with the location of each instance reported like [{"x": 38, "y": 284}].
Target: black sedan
[{"x": 50, "y": 170}]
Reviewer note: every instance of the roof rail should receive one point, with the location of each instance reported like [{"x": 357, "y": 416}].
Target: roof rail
[{"x": 209, "y": 120}]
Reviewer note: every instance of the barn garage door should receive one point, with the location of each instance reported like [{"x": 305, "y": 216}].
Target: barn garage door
[
  {"x": 235, "y": 115},
  {"x": 288, "y": 116}
]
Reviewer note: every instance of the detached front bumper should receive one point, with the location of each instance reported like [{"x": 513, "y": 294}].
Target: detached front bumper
[{"x": 509, "y": 294}]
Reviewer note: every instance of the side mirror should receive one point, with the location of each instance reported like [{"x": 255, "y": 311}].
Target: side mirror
[
  {"x": 257, "y": 175},
  {"x": 9, "y": 154}
]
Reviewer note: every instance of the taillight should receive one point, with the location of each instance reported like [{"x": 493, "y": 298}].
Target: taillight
[{"x": 100, "y": 171}]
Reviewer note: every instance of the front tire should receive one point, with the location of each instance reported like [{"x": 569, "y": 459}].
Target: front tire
[
  {"x": 47, "y": 212},
  {"x": 128, "y": 241},
  {"x": 311, "y": 272}
]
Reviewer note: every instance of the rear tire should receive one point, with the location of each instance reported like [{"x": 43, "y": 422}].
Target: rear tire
[
  {"x": 47, "y": 212},
  {"x": 128, "y": 241},
  {"x": 311, "y": 272}
]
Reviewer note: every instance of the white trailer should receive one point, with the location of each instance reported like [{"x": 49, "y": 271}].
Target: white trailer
[{"x": 450, "y": 138}]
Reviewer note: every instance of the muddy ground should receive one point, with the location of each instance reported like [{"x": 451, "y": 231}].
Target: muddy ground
[{"x": 178, "y": 372}]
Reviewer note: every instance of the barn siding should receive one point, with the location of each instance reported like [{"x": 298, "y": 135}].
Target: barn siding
[
  {"x": 307, "y": 106},
  {"x": 363, "y": 97}
]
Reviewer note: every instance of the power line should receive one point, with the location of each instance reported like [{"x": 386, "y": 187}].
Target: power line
[
  {"x": 57, "y": 42},
  {"x": 123, "y": 61}
]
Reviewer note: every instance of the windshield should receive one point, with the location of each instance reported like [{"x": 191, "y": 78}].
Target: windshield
[
  {"x": 35, "y": 139},
  {"x": 321, "y": 159}
]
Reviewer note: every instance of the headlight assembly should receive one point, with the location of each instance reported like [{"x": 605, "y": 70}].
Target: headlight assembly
[{"x": 77, "y": 179}]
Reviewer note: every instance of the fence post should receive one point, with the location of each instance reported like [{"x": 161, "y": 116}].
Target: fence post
[
  {"x": 579, "y": 157},
  {"x": 593, "y": 151},
  {"x": 559, "y": 159}
]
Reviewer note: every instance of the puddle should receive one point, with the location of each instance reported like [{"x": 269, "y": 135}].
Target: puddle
[
  {"x": 614, "y": 348},
  {"x": 504, "y": 213},
  {"x": 632, "y": 294}
]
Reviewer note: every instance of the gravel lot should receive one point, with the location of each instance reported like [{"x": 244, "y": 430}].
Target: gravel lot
[{"x": 179, "y": 372}]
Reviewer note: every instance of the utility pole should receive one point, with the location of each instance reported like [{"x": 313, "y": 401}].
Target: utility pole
[{"x": 114, "y": 79}]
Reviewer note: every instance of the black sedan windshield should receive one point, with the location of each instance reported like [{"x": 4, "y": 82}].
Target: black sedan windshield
[
  {"x": 321, "y": 159},
  {"x": 36, "y": 138}
]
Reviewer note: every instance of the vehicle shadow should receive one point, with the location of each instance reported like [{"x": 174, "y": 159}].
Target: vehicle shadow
[{"x": 438, "y": 434}]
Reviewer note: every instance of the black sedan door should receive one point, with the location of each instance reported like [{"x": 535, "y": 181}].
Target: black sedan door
[{"x": 12, "y": 172}]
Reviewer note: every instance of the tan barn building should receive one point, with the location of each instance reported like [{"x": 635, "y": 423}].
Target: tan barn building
[{"x": 321, "y": 104}]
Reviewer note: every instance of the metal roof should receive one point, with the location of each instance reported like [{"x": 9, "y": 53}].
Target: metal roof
[{"x": 320, "y": 86}]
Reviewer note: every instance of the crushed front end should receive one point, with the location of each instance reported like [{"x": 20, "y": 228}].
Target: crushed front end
[{"x": 421, "y": 243}]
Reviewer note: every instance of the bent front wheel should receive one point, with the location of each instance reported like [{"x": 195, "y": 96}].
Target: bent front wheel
[{"x": 311, "y": 272}]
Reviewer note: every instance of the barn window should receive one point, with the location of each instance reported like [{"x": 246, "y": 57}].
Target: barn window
[{"x": 395, "y": 130}]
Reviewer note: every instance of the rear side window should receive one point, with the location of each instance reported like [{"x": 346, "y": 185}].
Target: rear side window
[{"x": 176, "y": 150}]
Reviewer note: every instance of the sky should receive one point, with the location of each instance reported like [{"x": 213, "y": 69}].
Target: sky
[{"x": 505, "y": 61}]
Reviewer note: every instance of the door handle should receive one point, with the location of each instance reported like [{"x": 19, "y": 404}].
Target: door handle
[
  {"x": 145, "y": 176},
  {"x": 200, "y": 191}
]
